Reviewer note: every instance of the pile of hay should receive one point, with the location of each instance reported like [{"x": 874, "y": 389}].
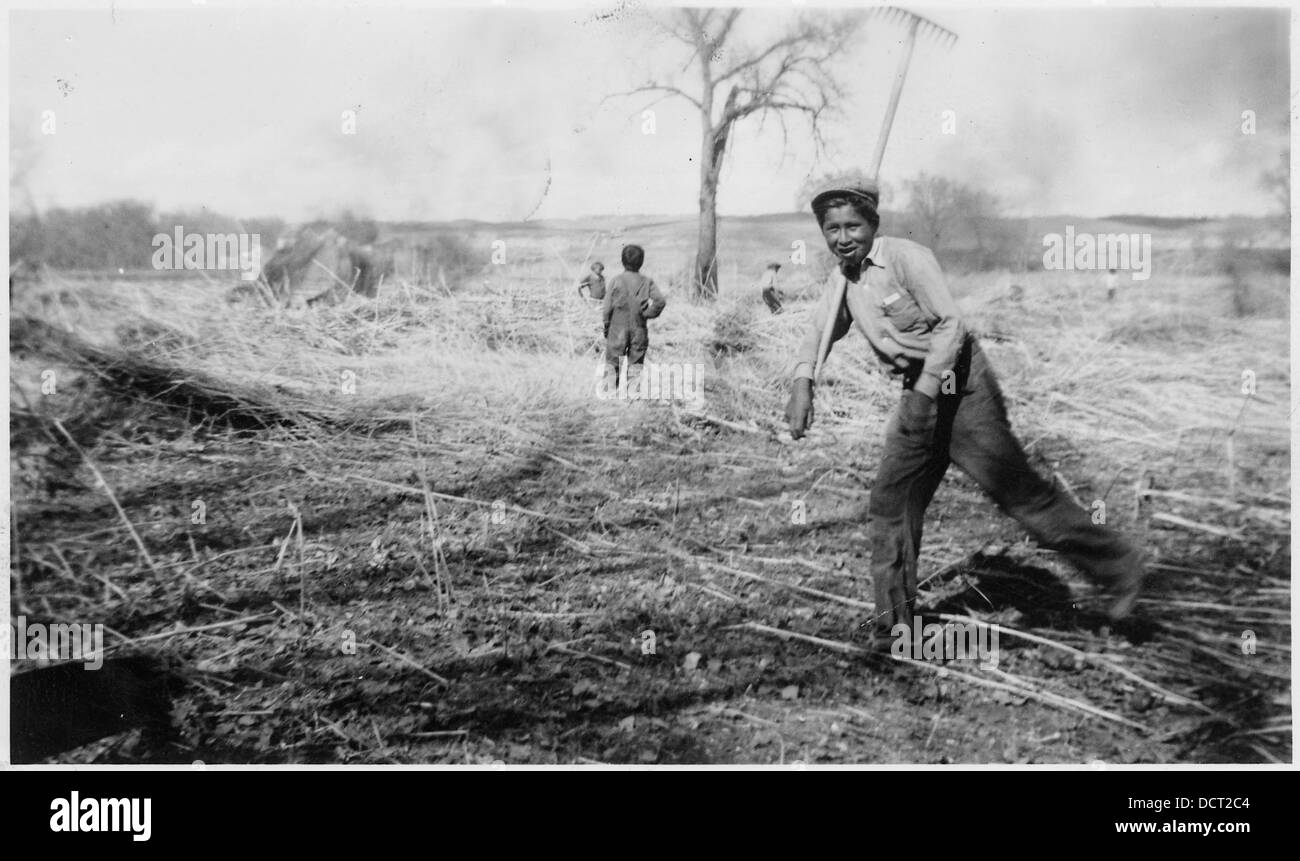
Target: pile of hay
[
  {"x": 322, "y": 266},
  {"x": 201, "y": 396}
]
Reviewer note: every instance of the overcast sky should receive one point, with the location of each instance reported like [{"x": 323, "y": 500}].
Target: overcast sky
[{"x": 497, "y": 114}]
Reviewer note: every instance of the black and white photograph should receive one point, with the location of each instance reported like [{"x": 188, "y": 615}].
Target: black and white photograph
[{"x": 636, "y": 385}]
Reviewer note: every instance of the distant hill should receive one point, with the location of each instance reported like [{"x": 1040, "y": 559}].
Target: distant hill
[
  {"x": 1157, "y": 221},
  {"x": 1090, "y": 224},
  {"x": 118, "y": 235}
]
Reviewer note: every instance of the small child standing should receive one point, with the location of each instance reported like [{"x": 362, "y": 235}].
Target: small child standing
[
  {"x": 631, "y": 299},
  {"x": 594, "y": 281}
]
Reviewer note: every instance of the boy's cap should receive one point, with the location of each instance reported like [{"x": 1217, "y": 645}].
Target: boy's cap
[{"x": 868, "y": 190}]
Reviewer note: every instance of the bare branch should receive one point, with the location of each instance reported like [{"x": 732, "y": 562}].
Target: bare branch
[
  {"x": 656, "y": 88},
  {"x": 648, "y": 105},
  {"x": 780, "y": 79},
  {"x": 684, "y": 26},
  {"x": 721, "y": 38},
  {"x": 758, "y": 60}
]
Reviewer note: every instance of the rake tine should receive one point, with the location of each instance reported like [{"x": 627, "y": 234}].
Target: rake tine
[{"x": 897, "y": 15}]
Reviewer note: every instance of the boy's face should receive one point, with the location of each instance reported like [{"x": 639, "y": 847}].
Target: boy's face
[
  {"x": 598, "y": 268},
  {"x": 848, "y": 235}
]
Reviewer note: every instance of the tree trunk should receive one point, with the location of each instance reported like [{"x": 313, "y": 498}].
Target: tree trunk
[
  {"x": 706, "y": 256},
  {"x": 711, "y": 152}
]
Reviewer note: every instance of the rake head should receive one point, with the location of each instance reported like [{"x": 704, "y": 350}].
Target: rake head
[{"x": 924, "y": 26}]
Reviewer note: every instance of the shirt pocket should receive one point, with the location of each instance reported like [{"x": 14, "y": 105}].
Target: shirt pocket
[{"x": 900, "y": 309}]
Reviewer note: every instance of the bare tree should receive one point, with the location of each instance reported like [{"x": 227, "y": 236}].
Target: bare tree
[
  {"x": 778, "y": 77},
  {"x": 934, "y": 202},
  {"x": 24, "y": 155},
  {"x": 982, "y": 212},
  {"x": 1277, "y": 182},
  {"x": 26, "y": 232},
  {"x": 937, "y": 205}
]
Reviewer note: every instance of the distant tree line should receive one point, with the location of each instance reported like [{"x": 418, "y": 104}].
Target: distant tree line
[
  {"x": 118, "y": 234},
  {"x": 968, "y": 229}
]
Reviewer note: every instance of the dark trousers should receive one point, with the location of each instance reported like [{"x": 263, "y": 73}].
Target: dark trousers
[
  {"x": 773, "y": 300},
  {"x": 624, "y": 340},
  {"x": 970, "y": 428}
]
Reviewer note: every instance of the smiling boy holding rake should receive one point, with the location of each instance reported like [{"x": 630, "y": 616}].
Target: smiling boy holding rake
[{"x": 951, "y": 410}]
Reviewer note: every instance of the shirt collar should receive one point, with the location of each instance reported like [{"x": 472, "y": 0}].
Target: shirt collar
[{"x": 873, "y": 257}]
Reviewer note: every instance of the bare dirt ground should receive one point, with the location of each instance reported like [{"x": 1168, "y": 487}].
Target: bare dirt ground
[{"x": 474, "y": 560}]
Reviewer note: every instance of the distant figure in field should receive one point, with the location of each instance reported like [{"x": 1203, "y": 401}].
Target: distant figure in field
[
  {"x": 771, "y": 295},
  {"x": 594, "y": 281},
  {"x": 1112, "y": 284},
  {"x": 631, "y": 299}
]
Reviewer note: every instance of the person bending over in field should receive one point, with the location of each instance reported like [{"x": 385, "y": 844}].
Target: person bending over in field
[
  {"x": 951, "y": 410},
  {"x": 771, "y": 295},
  {"x": 630, "y": 300},
  {"x": 594, "y": 281}
]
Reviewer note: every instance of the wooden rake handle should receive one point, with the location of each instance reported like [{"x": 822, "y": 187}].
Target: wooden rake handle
[{"x": 946, "y": 38}]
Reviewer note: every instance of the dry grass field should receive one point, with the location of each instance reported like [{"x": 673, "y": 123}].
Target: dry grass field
[{"x": 407, "y": 531}]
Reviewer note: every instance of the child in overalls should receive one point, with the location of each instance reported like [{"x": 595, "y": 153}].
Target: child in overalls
[{"x": 630, "y": 299}]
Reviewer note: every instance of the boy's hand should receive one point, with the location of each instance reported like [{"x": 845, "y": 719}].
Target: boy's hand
[
  {"x": 799, "y": 411},
  {"x": 652, "y": 306}
]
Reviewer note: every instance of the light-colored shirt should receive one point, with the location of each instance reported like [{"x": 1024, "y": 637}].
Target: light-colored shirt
[
  {"x": 901, "y": 304},
  {"x": 595, "y": 285}
]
